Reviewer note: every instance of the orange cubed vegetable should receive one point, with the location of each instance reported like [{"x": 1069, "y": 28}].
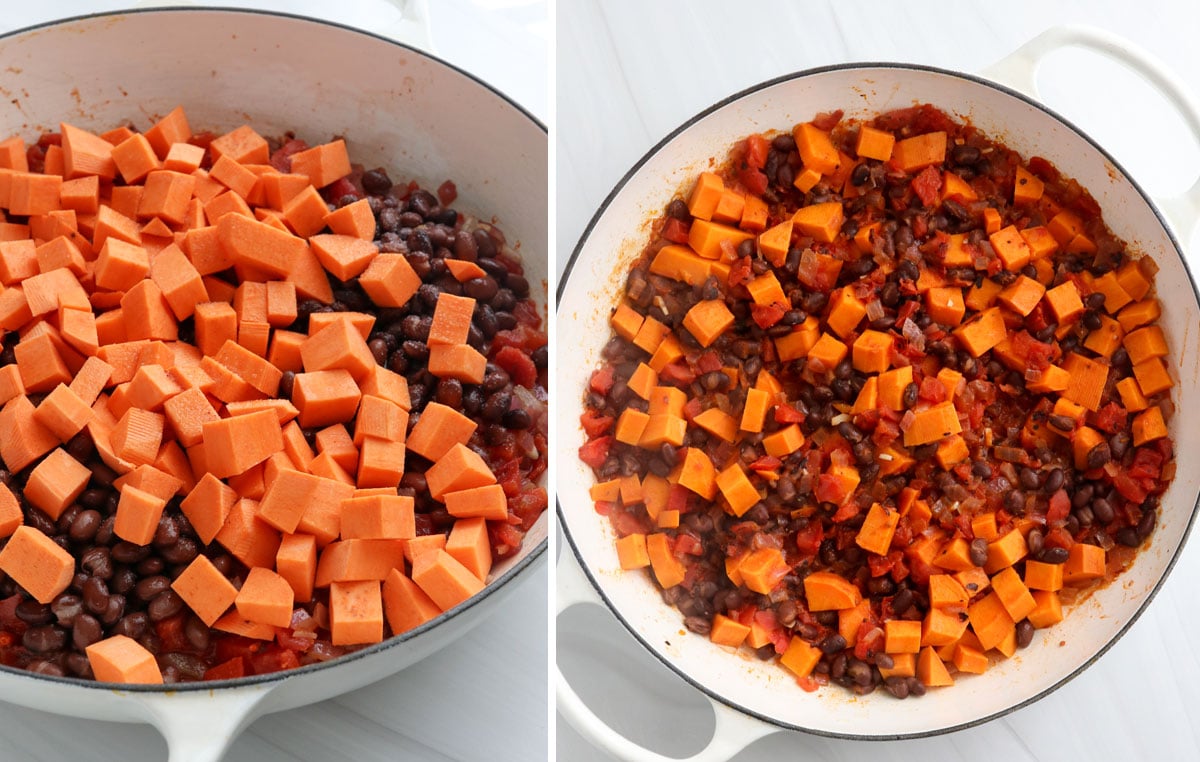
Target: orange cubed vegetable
[{"x": 827, "y": 591}]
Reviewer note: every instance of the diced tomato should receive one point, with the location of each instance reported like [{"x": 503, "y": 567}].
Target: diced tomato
[
  {"x": 1036, "y": 320},
  {"x": 1111, "y": 418},
  {"x": 505, "y": 538},
  {"x": 885, "y": 433},
  {"x": 676, "y": 231},
  {"x": 526, "y": 336},
  {"x": 709, "y": 362},
  {"x": 230, "y": 646},
  {"x": 528, "y": 317},
  {"x": 595, "y": 424},
  {"x": 756, "y": 151},
  {"x": 288, "y": 640},
  {"x": 740, "y": 272},
  {"x": 754, "y": 180},
  {"x": 1147, "y": 464},
  {"x": 846, "y": 511},
  {"x": 35, "y": 157},
  {"x": 785, "y": 413},
  {"x": 1043, "y": 169},
  {"x": 1059, "y": 509},
  {"x": 595, "y": 452},
  {"x": 767, "y": 315},
  {"x": 282, "y": 158},
  {"x": 692, "y": 408},
  {"x": 917, "y": 570},
  {"x": 625, "y": 523},
  {"x": 605, "y": 508},
  {"x": 508, "y": 474},
  {"x": 601, "y": 381},
  {"x": 1059, "y": 538},
  {"x": 171, "y": 635},
  {"x": 1130, "y": 488},
  {"x": 881, "y": 565},
  {"x": 931, "y": 390},
  {"x": 273, "y": 659},
  {"x": 529, "y": 505},
  {"x": 926, "y": 185},
  {"x": 339, "y": 189},
  {"x": 869, "y": 641},
  {"x": 447, "y": 193},
  {"x": 677, "y": 372},
  {"x": 518, "y": 365},
  {"x": 677, "y": 498},
  {"x": 227, "y": 670},
  {"x": 827, "y": 120},
  {"x": 766, "y": 463},
  {"x": 808, "y": 684},
  {"x": 808, "y": 539},
  {"x": 767, "y": 620},
  {"x": 688, "y": 545}
]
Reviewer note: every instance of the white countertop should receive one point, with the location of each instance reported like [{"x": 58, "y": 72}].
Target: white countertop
[
  {"x": 482, "y": 698},
  {"x": 629, "y": 72}
]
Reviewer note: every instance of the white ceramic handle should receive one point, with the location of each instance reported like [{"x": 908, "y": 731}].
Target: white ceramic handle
[
  {"x": 199, "y": 726},
  {"x": 734, "y": 731},
  {"x": 1019, "y": 71}
]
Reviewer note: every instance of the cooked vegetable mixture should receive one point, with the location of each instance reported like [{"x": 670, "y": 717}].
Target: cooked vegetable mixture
[
  {"x": 882, "y": 398},
  {"x": 260, "y": 407}
]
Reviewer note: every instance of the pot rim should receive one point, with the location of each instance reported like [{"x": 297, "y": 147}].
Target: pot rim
[
  {"x": 714, "y": 694},
  {"x": 494, "y": 586}
]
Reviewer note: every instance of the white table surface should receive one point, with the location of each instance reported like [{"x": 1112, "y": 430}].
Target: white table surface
[
  {"x": 483, "y": 697},
  {"x": 629, "y": 72}
]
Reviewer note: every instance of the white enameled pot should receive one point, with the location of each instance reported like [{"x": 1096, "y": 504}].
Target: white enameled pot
[
  {"x": 751, "y": 698},
  {"x": 397, "y": 107}
]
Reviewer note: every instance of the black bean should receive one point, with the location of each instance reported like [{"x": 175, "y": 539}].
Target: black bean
[
  {"x": 85, "y": 525},
  {"x": 965, "y": 155},
  {"x": 1029, "y": 478},
  {"x": 1053, "y": 555},
  {"x": 31, "y": 612},
  {"x": 66, "y": 607},
  {"x": 860, "y": 175},
  {"x": 1098, "y": 456},
  {"x": 287, "y": 384},
  {"x": 911, "y": 393},
  {"x": 1118, "y": 444},
  {"x": 1103, "y": 510},
  {"x": 97, "y": 562},
  {"x": 182, "y": 552},
  {"x": 165, "y": 605},
  {"x": 1146, "y": 524},
  {"x": 903, "y": 600},
  {"x": 167, "y": 533},
  {"x": 150, "y": 567},
  {"x": 44, "y": 639},
  {"x": 1094, "y": 301},
  {"x": 1083, "y": 496},
  {"x": 123, "y": 580},
  {"x": 481, "y": 289},
  {"x": 1024, "y": 633},
  {"x": 376, "y": 181},
  {"x": 1054, "y": 481},
  {"x": 95, "y": 595},
  {"x": 197, "y": 633},
  {"x": 1063, "y": 423},
  {"x": 496, "y": 406},
  {"x": 1128, "y": 537},
  {"x": 126, "y": 552},
  {"x": 1014, "y": 501},
  {"x": 1034, "y": 540},
  {"x": 149, "y": 587},
  {"x": 517, "y": 419},
  {"x": 87, "y": 630},
  {"x": 979, "y": 551},
  {"x": 859, "y": 672},
  {"x": 897, "y": 686},
  {"x": 132, "y": 625},
  {"x": 1091, "y": 320},
  {"x": 115, "y": 610}
]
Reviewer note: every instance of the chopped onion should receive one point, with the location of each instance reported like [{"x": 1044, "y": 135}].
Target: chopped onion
[
  {"x": 874, "y": 310},
  {"x": 914, "y": 335},
  {"x": 907, "y": 421},
  {"x": 728, "y": 252},
  {"x": 839, "y": 418}
]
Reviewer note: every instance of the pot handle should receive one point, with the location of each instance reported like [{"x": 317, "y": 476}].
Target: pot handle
[
  {"x": 734, "y": 731},
  {"x": 1018, "y": 71},
  {"x": 199, "y": 726}
]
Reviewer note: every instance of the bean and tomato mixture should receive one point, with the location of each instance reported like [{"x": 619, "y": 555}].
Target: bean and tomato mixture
[
  {"x": 882, "y": 398},
  {"x": 123, "y": 588}
]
